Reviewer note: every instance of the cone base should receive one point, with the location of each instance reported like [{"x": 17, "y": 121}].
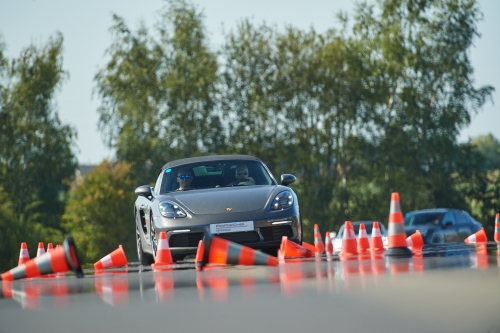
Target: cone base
[{"x": 401, "y": 252}]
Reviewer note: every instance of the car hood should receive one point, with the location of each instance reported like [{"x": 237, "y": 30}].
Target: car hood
[{"x": 215, "y": 201}]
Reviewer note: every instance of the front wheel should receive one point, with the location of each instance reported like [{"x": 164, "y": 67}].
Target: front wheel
[{"x": 145, "y": 259}]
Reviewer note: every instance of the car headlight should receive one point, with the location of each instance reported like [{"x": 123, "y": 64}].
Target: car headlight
[
  {"x": 282, "y": 200},
  {"x": 171, "y": 210}
]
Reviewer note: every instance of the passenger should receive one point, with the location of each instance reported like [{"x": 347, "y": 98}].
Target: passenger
[
  {"x": 242, "y": 175},
  {"x": 184, "y": 178}
]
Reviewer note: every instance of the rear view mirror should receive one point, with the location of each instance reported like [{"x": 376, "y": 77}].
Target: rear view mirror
[
  {"x": 287, "y": 179},
  {"x": 144, "y": 190}
]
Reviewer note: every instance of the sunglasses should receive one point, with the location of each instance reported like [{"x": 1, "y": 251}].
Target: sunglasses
[
  {"x": 239, "y": 173},
  {"x": 184, "y": 176}
]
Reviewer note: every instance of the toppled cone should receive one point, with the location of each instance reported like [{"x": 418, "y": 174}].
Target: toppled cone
[
  {"x": 291, "y": 249},
  {"x": 62, "y": 259},
  {"x": 217, "y": 251},
  {"x": 114, "y": 259},
  {"x": 415, "y": 241},
  {"x": 478, "y": 237},
  {"x": 310, "y": 247}
]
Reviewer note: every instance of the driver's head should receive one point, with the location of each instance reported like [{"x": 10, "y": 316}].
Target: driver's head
[
  {"x": 241, "y": 171},
  {"x": 184, "y": 178}
]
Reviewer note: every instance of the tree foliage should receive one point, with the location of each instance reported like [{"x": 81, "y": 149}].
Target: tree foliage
[
  {"x": 98, "y": 213},
  {"x": 158, "y": 95},
  {"x": 36, "y": 149},
  {"x": 369, "y": 108}
]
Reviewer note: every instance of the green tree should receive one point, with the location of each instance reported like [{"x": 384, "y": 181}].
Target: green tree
[
  {"x": 98, "y": 211},
  {"x": 424, "y": 81},
  {"x": 36, "y": 149},
  {"x": 158, "y": 95},
  {"x": 489, "y": 147}
]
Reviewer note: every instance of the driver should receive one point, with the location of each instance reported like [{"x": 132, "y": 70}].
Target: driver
[
  {"x": 184, "y": 178},
  {"x": 242, "y": 175}
]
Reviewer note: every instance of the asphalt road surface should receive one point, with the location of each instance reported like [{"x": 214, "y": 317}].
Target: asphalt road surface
[{"x": 446, "y": 290}]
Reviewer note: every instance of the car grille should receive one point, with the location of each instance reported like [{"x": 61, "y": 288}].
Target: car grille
[
  {"x": 185, "y": 240},
  {"x": 269, "y": 234},
  {"x": 192, "y": 239},
  {"x": 241, "y": 237},
  {"x": 276, "y": 232}
]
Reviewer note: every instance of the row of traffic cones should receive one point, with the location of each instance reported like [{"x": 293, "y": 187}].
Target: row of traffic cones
[
  {"x": 59, "y": 260},
  {"x": 24, "y": 255}
]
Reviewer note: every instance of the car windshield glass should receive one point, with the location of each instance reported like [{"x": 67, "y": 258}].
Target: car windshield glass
[
  {"x": 431, "y": 218},
  {"x": 368, "y": 226},
  {"x": 215, "y": 174}
]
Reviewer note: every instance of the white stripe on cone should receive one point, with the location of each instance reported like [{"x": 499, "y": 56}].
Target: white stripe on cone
[{"x": 106, "y": 261}]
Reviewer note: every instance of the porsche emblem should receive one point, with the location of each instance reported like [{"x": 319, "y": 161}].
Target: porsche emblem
[{"x": 229, "y": 209}]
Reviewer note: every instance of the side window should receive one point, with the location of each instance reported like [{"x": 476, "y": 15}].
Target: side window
[
  {"x": 158, "y": 183},
  {"x": 449, "y": 217},
  {"x": 461, "y": 218}
]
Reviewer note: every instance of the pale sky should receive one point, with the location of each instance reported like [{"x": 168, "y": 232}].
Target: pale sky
[{"x": 85, "y": 24}]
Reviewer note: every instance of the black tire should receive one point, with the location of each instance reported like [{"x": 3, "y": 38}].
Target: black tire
[
  {"x": 437, "y": 238},
  {"x": 145, "y": 259}
]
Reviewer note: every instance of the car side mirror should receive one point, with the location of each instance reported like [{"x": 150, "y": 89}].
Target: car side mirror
[
  {"x": 144, "y": 190},
  {"x": 287, "y": 179}
]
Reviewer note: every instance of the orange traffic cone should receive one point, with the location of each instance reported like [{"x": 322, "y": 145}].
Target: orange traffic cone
[
  {"x": 318, "y": 242},
  {"x": 415, "y": 242},
  {"x": 41, "y": 249},
  {"x": 59, "y": 260},
  {"x": 24, "y": 255},
  {"x": 291, "y": 249},
  {"x": 377, "y": 245},
  {"x": 478, "y": 237},
  {"x": 310, "y": 247},
  {"x": 349, "y": 244},
  {"x": 218, "y": 251},
  {"x": 114, "y": 259},
  {"x": 397, "y": 235},
  {"x": 496, "y": 236},
  {"x": 328, "y": 246},
  {"x": 50, "y": 247},
  {"x": 363, "y": 244},
  {"x": 163, "y": 255}
]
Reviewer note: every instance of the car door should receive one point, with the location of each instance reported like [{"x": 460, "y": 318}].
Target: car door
[
  {"x": 449, "y": 227},
  {"x": 464, "y": 228}
]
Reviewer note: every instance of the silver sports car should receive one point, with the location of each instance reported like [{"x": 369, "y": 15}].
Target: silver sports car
[{"x": 233, "y": 196}]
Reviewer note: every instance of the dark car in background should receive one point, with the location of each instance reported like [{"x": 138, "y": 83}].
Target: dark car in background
[
  {"x": 233, "y": 196},
  {"x": 441, "y": 225}
]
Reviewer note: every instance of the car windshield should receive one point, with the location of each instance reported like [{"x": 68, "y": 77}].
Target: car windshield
[
  {"x": 368, "y": 226},
  {"x": 215, "y": 174},
  {"x": 430, "y": 218}
]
